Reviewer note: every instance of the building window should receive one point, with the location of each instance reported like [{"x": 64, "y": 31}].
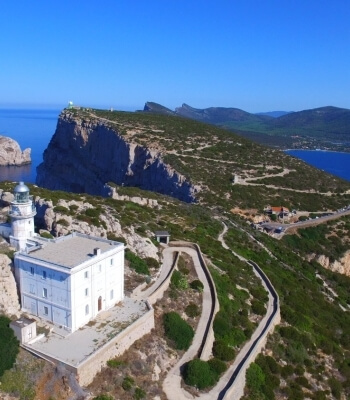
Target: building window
[
  {"x": 112, "y": 261},
  {"x": 32, "y": 270},
  {"x": 86, "y": 292},
  {"x": 44, "y": 274},
  {"x": 112, "y": 294},
  {"x": 32, "y": 288},
  {"x": 46, "y": 310},
  {"x": 86, "y": 274},
  {"x": 100, "y": 268},
  {"x": 87, "y": 309},
  {"x": 45, "y": 293}
]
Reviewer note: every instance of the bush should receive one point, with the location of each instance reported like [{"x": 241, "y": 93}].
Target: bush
[
  {"x": 192, "y": 310},
  {"x": 115, "y": 363},
  {"x": 222, "y": 351},
  {"x": 255, "y": 377},
  {"x": 61, "y": 209},
  {"x": 152, "y": 262},
  {"x": 46, "y": 235},
  {"x": 9, "y": 345},
  {"x": 197, "y": 285},
  {"x": 178, "y": 330},
  {"x": 199, "y": 374},
  {"x": 217, "y": 366},
  {"x": 139, "y": 394},
  {"x": 178, "y": 280},
  {"x": 127, "y": 383},
  {"x": 103, "y": 397},
  {"x": 137, "y": 263},
  {"x": 258, "y": 307},
  {"x": 63, "y": 222}
]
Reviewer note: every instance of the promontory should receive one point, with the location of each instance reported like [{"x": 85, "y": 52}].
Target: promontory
[{"x": 11, "y": 153}]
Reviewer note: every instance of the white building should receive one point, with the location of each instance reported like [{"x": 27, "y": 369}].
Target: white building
[{"x": 68, "y": 280}]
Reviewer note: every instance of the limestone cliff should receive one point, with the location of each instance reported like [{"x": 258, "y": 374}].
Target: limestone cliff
[
  {"x": 87, "y": 152},
  {"x": 11, "y": 153},
  {"x": 342, "y": 266}
]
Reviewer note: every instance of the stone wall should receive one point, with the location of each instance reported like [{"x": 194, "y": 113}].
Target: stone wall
[{"x": 87, "y": 370}]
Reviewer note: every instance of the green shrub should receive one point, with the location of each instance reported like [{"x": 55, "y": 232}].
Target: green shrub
[
  {"x": 255, "y": 377},
  {"x": 137, "y": 263},
  {"x": 217, "y": 366},
  {"x": 63, "y": 222},
  {"x": 139, "y": 394},
  {"x": 222, "y": 351},
  {"x": 9, "y": 345},
  {"x": 178, "y": 330},
  {"x": 178, "y": 280},
  {"x": 128, "y": 383},
  {"x": 197, "y": 285},
  {"x": 199, "y": 374},
  {"x": 93, "y": 212},
  {"x": 46, "y": 235},
  {"x": 192, "y": 310},
  {"x": 61, "y": 209},
  {"x": 115, "y": 363},
  {"x": 152, "y": 262},
  {"x": 73, "y": 208},
  {"x": 258, "y": 307},
  {"x": 103, "y": 397}
]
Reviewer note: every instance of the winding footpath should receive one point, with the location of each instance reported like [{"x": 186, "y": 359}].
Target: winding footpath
[{"x": 232, "y": 383}]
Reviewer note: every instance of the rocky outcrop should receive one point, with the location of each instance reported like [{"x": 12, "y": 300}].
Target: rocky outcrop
[
  {"x": 86, "y": 153},
  {"x": 11, "y": 153},
  {"x": 342, "y": 266},
  {"x": 9, "y": 303},
  {"x": 60, "y": 223}
]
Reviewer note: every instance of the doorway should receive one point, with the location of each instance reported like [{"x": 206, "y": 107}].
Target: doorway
[{"x": 99, "y": 305}]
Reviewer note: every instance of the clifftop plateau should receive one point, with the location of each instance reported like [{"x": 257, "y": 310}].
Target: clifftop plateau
[
  {"x": 11, "y": 153},
  {"x": 87, "y": 152}
]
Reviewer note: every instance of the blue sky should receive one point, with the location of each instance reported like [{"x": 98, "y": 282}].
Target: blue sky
[{"x": 257, "y": 55}]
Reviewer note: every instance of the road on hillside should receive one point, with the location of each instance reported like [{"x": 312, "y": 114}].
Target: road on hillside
[{"x": 307, "y": 223}]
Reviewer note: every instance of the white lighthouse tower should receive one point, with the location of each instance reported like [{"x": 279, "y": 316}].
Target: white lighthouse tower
[{"x": 22, "y": 211}]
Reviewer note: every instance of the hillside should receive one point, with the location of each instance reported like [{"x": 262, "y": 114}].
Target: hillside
[
  {"x": 308, "y": 356},
  {"x": 181, "y": 158},
  {"x": 314, "y": 128}
]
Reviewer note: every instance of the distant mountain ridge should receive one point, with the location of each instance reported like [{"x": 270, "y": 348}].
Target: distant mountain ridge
[{"x": 325, "y": 123}]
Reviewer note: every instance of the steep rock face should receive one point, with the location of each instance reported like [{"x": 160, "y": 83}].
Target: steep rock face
[
  {"x": 9, "y": 303},
  {"x": 83, "y": 155},
  {"x": 342, "y": 266},
  {"x": 11, "y": 153}
]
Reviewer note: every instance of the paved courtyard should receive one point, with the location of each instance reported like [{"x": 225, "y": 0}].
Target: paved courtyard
[{"x": 73, "y": 348}]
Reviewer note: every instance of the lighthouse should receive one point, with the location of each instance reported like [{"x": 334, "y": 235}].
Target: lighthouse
[{"x": 22, "y": 211}]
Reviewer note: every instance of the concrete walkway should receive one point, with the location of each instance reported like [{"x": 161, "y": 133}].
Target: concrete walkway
[{"x": 232, "y": 383}]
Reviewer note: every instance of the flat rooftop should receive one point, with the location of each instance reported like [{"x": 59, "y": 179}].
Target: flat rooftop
[
  {"x": 73, "y": 348},
  {"x": 70, "y": 251}
]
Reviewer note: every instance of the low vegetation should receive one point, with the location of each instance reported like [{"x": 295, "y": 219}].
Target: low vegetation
[{"x": 178, "y": 331}]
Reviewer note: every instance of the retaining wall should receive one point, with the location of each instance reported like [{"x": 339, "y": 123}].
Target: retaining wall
[
  {"x": 93, "y": 364},
  {"x": 87, "y": 370}
]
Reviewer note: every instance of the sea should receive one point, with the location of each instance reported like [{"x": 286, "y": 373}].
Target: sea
[
  {"x": 30, "y": 128},
  {"x": 336, "y": 163},
  {"x": 34, "y": 128}
]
